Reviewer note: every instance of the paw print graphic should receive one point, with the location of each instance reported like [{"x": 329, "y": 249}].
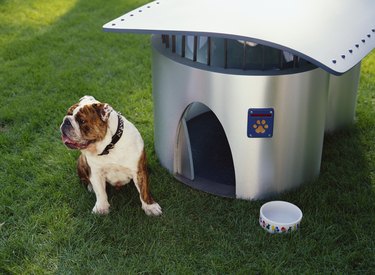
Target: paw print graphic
[
  {"x": 260, "y": 123},
  {"x": 260, "y": 126}
]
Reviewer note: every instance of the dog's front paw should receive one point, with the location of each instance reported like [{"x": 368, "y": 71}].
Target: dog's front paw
[
  {"x": 152, "y": 209},
  {"x": 101, "y": 208}
]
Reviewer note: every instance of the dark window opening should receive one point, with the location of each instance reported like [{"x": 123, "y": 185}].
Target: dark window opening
[{"x": 231, "y": 54}]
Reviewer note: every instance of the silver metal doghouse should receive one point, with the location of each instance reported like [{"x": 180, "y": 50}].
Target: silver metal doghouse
[{"x": 244, "y": 90}]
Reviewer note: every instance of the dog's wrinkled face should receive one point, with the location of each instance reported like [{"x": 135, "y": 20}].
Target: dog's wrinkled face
[{"x": 85, "y": 123}]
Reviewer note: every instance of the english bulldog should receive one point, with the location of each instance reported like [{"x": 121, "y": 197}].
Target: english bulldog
[{"x": 112, "y": 151}]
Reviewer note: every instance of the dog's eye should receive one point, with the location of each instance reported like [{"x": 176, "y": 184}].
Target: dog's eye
[{"x": 80, "y": 121}]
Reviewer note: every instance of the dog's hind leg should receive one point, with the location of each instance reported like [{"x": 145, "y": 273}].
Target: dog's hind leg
[
  {"x": 141, "y": 181},
  {"x": 84, "y": 172}
]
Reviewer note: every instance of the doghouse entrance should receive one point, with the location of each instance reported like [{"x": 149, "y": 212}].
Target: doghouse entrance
[{"x": 203, "y": 158}]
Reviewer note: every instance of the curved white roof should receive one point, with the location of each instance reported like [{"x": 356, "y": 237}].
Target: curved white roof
[{"x": 333, "y": 34}]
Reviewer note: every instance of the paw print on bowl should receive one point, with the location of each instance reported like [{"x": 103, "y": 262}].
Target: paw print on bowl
[{"x": 260, "y": 126}]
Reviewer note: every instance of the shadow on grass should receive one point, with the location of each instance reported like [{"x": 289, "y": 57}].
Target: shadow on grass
[{"x": 339, "y": 207}]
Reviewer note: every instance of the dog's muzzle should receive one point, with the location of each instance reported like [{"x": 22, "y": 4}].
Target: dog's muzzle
[
  {"x": 68, "y": 136},
  {"x": 66, "y": 125}
]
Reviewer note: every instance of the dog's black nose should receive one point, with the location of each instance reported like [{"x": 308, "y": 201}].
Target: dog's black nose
[{"x": 66, "y": 125}]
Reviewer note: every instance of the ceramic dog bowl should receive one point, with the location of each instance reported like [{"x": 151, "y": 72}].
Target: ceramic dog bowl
[{"x": 280, "y": 217}]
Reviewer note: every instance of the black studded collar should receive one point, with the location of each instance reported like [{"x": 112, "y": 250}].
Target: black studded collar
[{"x": 116, "y": 137}]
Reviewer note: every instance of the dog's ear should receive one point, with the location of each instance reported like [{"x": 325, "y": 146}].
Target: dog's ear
[{"x": 103, "y": 110}]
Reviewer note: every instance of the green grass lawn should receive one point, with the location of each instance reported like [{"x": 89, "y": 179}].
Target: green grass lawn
[{"x": 54, "y": 52}]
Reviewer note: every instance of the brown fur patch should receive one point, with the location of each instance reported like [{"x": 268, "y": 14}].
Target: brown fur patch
[
  {"x": 83, "y": 169},
  {"x": 92, "y": 127},
  {"x": 71, "y": 109},
  {"x": 143, "y": 181}
]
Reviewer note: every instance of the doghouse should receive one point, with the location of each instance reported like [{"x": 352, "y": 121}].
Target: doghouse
[{"x": 244, "y": 90}]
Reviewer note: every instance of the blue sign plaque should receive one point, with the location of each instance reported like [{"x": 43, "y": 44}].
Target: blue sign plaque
[{"x": 260, "y": 122}]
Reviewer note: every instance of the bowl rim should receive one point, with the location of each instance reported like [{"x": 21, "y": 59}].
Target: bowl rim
[{"x": 265, "y": 218}]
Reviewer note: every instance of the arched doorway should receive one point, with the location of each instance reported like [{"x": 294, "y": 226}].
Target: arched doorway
[{"x": 203, "y": 159}]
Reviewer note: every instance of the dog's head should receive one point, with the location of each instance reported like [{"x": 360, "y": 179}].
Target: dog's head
[{"x": 86, "y": 122}]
